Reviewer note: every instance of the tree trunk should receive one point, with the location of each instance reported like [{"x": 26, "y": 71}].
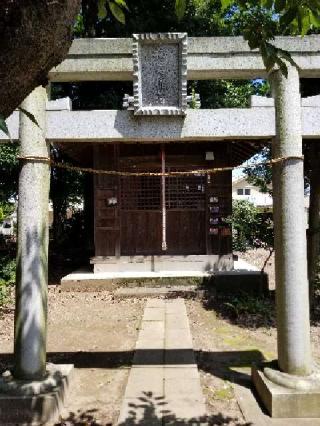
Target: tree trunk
[
  {"x": 59, "y": 216},
  {"x": 35, "y": 36},
  {"x": 314, "y": 220},
  {"x": 88, "y": 208}
]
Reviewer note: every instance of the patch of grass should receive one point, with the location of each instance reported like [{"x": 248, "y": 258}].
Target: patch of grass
[{"x": 234, "y": 341}]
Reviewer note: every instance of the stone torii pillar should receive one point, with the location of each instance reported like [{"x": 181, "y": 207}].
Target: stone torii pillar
[
  {"x": 292, "y": 387},
  {"x": 34, "y": 388},
  {"x": 292, "y": 289},
  {"x": 32, "y": 255}
]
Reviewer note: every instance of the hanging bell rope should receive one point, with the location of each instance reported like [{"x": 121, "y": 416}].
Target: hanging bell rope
[{"x": 163, "y": 198}]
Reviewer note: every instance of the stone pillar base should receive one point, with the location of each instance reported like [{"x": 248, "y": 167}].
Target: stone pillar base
[
  {"x": 284, "y": 402},
  {"x": 34, "y": 403}
]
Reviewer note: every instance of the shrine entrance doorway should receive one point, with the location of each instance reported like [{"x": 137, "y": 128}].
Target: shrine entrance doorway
[
  {"x": 161, "y": 215},
  {"x": 155, "y": 215}
]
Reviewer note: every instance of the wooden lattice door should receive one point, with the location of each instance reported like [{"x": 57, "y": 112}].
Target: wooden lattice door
[{"x": 142, "y": 211}]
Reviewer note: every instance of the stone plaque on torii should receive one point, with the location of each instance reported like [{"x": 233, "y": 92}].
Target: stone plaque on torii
[{"x": 160, "y": 75}]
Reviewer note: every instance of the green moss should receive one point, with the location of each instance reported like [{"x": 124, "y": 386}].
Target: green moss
[
  {"x": 234, "y": 341},
  {"x": 225, "y": 329},
  {"x": 225, "y": 393}
]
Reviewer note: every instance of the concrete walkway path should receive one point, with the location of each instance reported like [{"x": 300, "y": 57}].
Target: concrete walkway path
[{"x": 164, "y": 383}]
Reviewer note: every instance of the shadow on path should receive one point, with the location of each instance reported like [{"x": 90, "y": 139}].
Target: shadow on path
[
  {"x": 151, "y": 410},
  {"x": 219, "y": 364}
]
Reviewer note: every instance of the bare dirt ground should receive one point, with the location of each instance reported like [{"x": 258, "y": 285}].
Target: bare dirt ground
[
  {"x": 97, "y": 335},
  {"x": 225, "y": 351}
]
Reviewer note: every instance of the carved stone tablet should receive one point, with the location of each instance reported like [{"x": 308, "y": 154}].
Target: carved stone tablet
[{"x": 160, "y": 74}]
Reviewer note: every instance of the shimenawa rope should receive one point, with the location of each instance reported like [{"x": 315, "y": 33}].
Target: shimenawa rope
[{"x": 166, "y": 174}]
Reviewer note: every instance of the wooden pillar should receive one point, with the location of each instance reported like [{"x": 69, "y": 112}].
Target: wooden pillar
[{"x": 314, "y": 217}]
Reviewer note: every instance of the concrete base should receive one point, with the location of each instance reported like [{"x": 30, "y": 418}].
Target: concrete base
[
  {"x": 228, "y": 282},
  {"x": 245, "y": 278},
  {"x": 241, "y": 281},
  {"x": 89, "y": 281},
  {"x": 36, "y": 409},
  {"x": 194, "y": 263},
  {"x": 282, "y": 402}
]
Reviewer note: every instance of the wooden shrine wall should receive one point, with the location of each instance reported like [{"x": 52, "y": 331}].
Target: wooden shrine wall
[{"x": 128, "y": 216}]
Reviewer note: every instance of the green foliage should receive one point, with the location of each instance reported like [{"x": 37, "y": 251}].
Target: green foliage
[
  {"x": 66, "y": 189},
  {"x": 248, "y": 305},
  {"x": 260, "y": 20},
  {"x": 7, "y": 279},
  {"x": 229, "y": 93},
  {"x": 116, "y": 7},
  {"x": 180, "y": 8},
  {"x": 6, "y": 209},
  {"x": 261, "y": 176},
  {"x": 250, "y": 227},
  {"x": 8, "y": 270},
  {"x": 5, "y": 293},
  {"x": 9, "y": 170}
]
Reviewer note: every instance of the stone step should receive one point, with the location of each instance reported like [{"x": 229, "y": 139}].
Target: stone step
[{"x": 171, "y": 291}]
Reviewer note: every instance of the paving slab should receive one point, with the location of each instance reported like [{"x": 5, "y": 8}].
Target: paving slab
[
  {"x": 178, "y": 337},
  {"x": 188, "y": 371},
  {"x": 155, "y": 303},
  {"x": 175, "y": 322},
  {"x": 154, "y": 326},
  {"x": 154, "y": 314},
  {"x": 182, "y": 388},
  {"x": 148, "y": 380},
  {"x": 148, "y": 357},
  {"x": 185, "y": 410},
  {"x": 164, "y": 382},
  {"x": 142, "y": 410},
  {"x": 144, "y": 343},
  {"x": 179, "y": 356}
]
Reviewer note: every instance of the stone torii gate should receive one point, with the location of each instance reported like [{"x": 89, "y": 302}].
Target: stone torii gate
[{"x": 293, "y": 386}]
